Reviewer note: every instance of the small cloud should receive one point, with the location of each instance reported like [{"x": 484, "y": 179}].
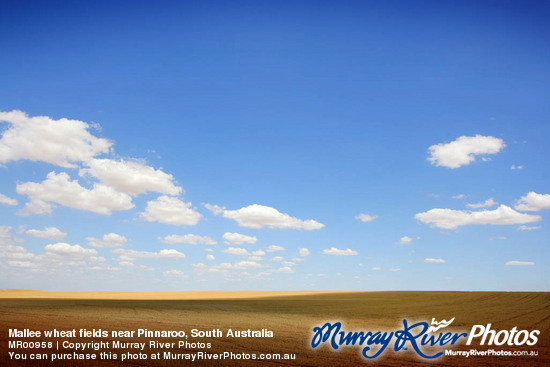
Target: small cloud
[
  {"x": 170, "y": 210},
  {"x": 35, "y": 206},
  {"x": 260, "y": 216},
  {"x": 188, "y": 239},
  {"x": 452, "y": 219},
  {"x": 434, "y": 261},
  {"x": 60, "y": 189},
  {"x": 337, "y": 252},
  {"x": 528, "y": 228},
  {"x": 395, "y": 269},
  {"x": 274, "y": 248},
  {"x": 173, "y": 273},
  {"x": 405, "y": 240},
  {"x": 463, "y": 150},
  {"x": 285, "y": 270},
  {"x": 498, "y": 238},
  {"x": 215, "y": 209},
  {"x": 516, "y": 167},
  {"x": 236, "y": 251},
  {"x": 376, "y": 268},
  {"x": 51, "y": 233},
  {"x": 277, "y": 258},
  {"x": 302, "y": 251},
  {"x": 238, "y": 239},
  {"x": 533, "y": 202},
  {"x": 7, "y": 200},
  {"x": 520, "y": 263},
  {"x": 131, "y": 176},
  {"x": 65, "y": 250},
  {"x": 364, "y": 217},
  {"x": 459, "y": 196},
  {"x": 109, "y": 240},
  {"x": 210, "y": 257},
  {"x": 486, "y": 204},
  {"x": 21, "y": 264},
  {"x": 128, "y": 256},
  {"x": 60, "y": 142}
]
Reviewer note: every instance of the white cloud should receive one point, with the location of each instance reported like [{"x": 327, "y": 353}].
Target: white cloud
[
  {"x": 259, "y": 216},
  {"x": 498, "y": 238},
  {"x": 210, "y": 257},
  {"x": 131, "y": 255},
  {"x": 9, "y": 251},
  {"x": 131, "y": 176},
  {"x": 225, "y": 267},
  {"x": 528, "y": 228},
  {"x": 486, "y": 204},
  {"x": 21, "y": 264},
  {"x": 7, "y": 200},
  {"x": 170, "y": 210},
  {"x": 459, "y": 196},
  {"x": 519, "y": 263},
  {"x": 188, "y": 239},
  {"x": 405, "y": 240},
  {"x": 516, "y": 167},
  {"x": 277, "y": 258},
  {"x": 258, "y": 253},
  {"x": 109, "y": 240},
  {"x": 238, "y": 239},
  {"x": 35, "y": 206},
  {"x": 285, "y": 270},
  {"x": 236, "y": 251},
  {"x": 216, "y": 209},
  {"x": 65, "y": 250},
  {"x": 435, "y": 261},
  {"x": 274, "y": 248},
  {"x": 51, "y": 233},
  {"x": 131, "y": 265},
  {"x": 451, "y": 219},
  {"x": 364, "y": 217},
  {"x": 533, "y": 202},
  {"x": 58, "y": 188},
  {"x": 302, "y": 251},
  {"x": 464, "y": 150},
  {"x": 337, "y": 252},
  {"x": 255, "y": 258},
  {"x": 61, "y": 142},
  {"x": 173, "y": 274},
  {"x": 376, "y": 268},
  {"x": 395, "y": 269}
]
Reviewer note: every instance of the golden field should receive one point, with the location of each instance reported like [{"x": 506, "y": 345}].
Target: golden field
[{"x": 291, "y": 316}]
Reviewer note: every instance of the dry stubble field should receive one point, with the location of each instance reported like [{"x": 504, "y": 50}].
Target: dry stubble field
[{"x": 291, "y": 315}]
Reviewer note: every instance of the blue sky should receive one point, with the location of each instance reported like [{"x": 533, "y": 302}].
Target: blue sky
[{"x": 269, "y": 127}]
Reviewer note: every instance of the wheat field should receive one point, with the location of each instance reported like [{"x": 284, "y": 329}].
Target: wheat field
[{"x": 290, "y": 315}]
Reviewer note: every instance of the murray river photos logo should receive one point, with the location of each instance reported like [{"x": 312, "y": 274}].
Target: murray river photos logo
[{"x": 418, "y": 337}]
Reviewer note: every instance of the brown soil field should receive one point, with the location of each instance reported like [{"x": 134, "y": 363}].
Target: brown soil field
[{"x": 290, "y": 315}]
